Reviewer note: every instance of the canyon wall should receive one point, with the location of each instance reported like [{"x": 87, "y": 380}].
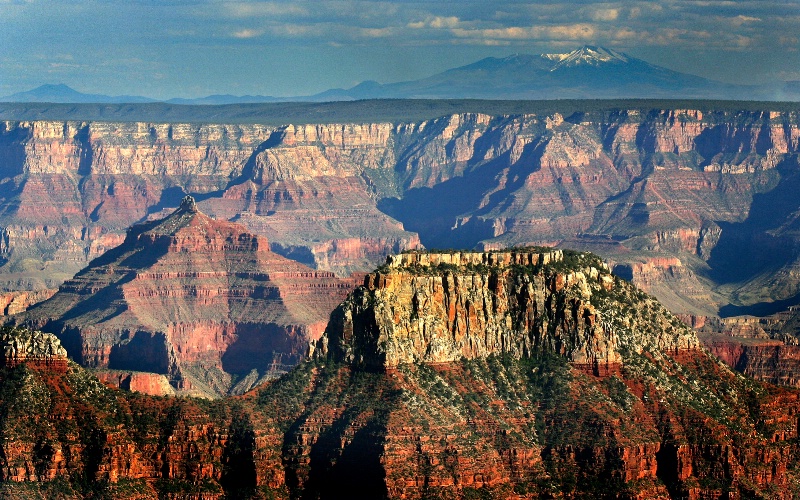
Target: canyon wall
[
  {"x": 706, "y": 188},
  {"x": 387, "y": 411}
]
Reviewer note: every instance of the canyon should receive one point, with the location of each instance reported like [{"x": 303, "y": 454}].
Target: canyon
[
  {"x": 675, "y": 198},
  {"x": 693, "y": 205},
  {"x": 526, "y": 373}
]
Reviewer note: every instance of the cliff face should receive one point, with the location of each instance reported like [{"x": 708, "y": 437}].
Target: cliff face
[
  {"x": 763, "y": 359},
  {"x": 387, "y": 409},
  {"x": 35, "y": 349},
  {"x": 765, "y": 348},
  {"x": 406, "y": 316},
  {"x": 66, "y": 435},
  {"x": 192, "y": 298},
  {"x": 528, "y": 373},
  {"x": 440, "y": 308},
  {"x": 632, "y": 185}
]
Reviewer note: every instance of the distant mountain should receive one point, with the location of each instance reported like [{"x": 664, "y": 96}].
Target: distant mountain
[
  {"x": 63, "y": 94},
  {"x": 586, "y": 73},
  {"x": 589, "y": 72}
]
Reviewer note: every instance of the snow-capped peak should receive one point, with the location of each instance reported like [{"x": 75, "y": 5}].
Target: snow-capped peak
[{"x": 586, "y": 55}]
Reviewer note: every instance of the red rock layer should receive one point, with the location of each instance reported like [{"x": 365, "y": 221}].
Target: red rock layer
[
  {"x": 385, "y": 410},
  {"x": 763, "y": 359},
  {"x": 154, "y": 384},
  {"x": 195, "y": 299},
  {"x": 648, "y": 181},
  {"x": 17, "y": 302}
]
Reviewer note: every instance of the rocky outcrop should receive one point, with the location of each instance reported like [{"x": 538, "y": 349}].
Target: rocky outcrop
[
  {"x": 763, "y": 359},
  {"x": 37, "y": 349},
  {"x": 66, "y": 435},
  {"x": 476, "y": 370},
  {"x": 192, "y": 298},
  {"x": 154, "y": 384},
  {"x": 440, "y": 308},
  {"x": 765, "y": 348}
]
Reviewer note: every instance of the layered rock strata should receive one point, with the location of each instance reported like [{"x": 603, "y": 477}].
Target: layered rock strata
[
  {"x": 765, "y": 348},
  {"x": 518, "y": 419},
  {"x": 192, "y": 298},
  {"x": 476, "y": 364},
  {"x": 16, "y": 302},
  {"x": 154, "y": 384},
  {"x": 440, "y": 308},
  {"x": 630, "y": 184}
]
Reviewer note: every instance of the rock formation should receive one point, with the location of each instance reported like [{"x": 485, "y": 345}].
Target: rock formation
[
  {"x": 420, "y": 313},
  {"x": 16, "y": 302},
  {"x": 33, "y": 348},
  {"x": 765, "y": 348},
  {"x": 528, "y": 373},
  {"x": 385, "y": 409},
  {"x": 192, "y": 298},
  {"x": 705, "y": 188}
]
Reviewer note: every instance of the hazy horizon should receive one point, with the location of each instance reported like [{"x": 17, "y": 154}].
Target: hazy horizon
[{"x": 166, "y": 49}]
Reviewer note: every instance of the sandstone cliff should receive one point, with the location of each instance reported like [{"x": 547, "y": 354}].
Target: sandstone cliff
[
  {"x": 707, "y": 188},
  {"x": 441, "y": 308},
  {"x": 198, "y": 300},
  {"x": 387, "y": 409},
  {"x": 766, "y": 348},
  {"x": 32, "y": 348}
]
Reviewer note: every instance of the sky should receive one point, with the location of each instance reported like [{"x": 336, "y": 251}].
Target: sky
[{"x": 195, "y": 48}]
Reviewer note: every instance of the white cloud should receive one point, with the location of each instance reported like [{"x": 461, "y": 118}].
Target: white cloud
[
  {"x": 263, "y": 9},
  {"x": 247, "y": 33},
  {"x": 436, "y": 22},
  {"x": 741, "y": 20},
  {"x": 605, "y": 14},
  {"x": 577, "y": 32},
  {"x": 376, "y": 32}
]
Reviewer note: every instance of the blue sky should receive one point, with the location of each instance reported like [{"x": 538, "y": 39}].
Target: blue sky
[{"x": 193, "y": 48}]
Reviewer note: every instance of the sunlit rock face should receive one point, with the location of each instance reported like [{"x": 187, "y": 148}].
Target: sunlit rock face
[{"x": 444, "y": 307}]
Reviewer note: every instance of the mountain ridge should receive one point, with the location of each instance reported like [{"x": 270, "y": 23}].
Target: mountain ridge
[{"x": 589, "y": 72}]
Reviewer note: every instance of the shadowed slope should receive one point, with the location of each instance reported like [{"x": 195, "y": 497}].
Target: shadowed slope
[{"x": 192, "y": 297}]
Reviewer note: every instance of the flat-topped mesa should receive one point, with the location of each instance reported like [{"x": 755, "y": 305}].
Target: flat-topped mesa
[
  {"x": 496, "y": 259},
  {"x": 34, "y": 348},
  {"x": 523, "y": 304}
]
